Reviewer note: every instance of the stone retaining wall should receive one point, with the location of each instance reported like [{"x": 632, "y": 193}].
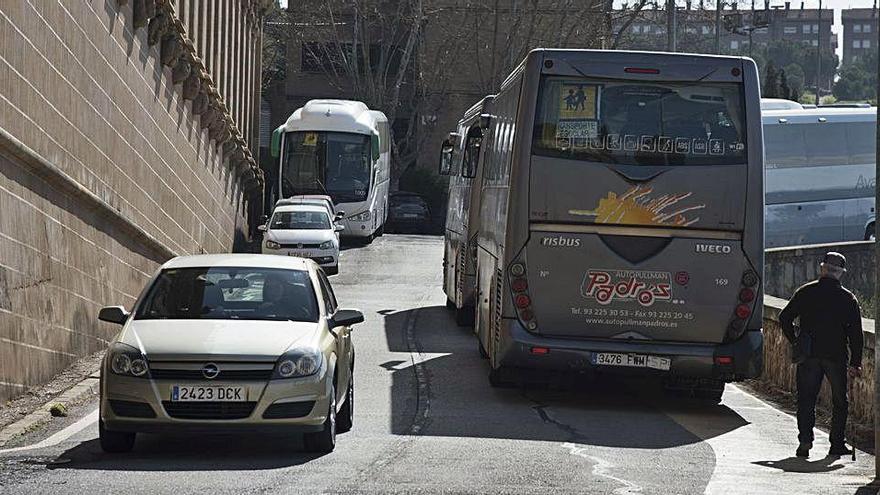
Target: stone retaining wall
[
  {"x": 787, "y": 268},
  {"x": 779, "y": 372}
]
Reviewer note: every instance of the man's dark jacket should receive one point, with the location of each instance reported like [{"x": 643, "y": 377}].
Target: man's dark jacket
[{"x": 830, "y": 315}]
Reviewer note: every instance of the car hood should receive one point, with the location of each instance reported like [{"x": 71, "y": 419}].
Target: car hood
[
  {"x": 304, "y": 236},
  {"x": 238, "y": 340}
]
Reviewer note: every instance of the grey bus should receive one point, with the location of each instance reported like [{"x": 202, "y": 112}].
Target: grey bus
[
  {"x": 460, "y": 160},
  {"x": 621, "y": 224},
  {"x": 819, "y": 175}
]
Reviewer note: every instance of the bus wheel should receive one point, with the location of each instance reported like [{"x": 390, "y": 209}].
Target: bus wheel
[
  {"x": 464, "y": 316},
  {"x": 869, "y": 232},
  {"x": 449, "y": 304}
]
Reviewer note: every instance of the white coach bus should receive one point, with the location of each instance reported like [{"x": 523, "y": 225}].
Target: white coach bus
[
  {"x": 342, "y": 149},
  {"x": 819, "y": 175}
]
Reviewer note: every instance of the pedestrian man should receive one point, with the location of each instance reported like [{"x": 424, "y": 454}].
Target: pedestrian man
[{"x": 830, "y": 322}]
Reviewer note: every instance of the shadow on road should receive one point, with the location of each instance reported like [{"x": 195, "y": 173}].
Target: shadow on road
[
  {"x": 610, "y": 411},
  {"x": 801, "y": 465},
  {"x": 190, "y": 453}
]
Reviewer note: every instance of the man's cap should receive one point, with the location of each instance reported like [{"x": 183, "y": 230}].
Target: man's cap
[{"x": 835, "y": 260}]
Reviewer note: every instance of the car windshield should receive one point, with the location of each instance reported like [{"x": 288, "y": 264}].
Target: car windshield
[
  {"x": 407, "y": 200},
  {"x": 230, "y": 293},
  {"x": 641, "y": 123},
  {"x": 300, "y": 220}
]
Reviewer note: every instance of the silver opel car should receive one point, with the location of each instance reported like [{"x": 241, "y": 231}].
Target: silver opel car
[{"x": 230, "y": 343}]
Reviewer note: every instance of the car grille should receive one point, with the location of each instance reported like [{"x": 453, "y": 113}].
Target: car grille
[
  {"x": 289, "y": 410},
  {"x": 254, "y": 375},
  {"x": 131, "y": 409},
  {"x": 209, "y": 410},
  {"x": 301, "y": 246}
]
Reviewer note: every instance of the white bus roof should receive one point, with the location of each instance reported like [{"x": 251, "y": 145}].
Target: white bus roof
[
  {"x": 335, "y": 116},
  {"x": 779, "y": 104},
  {"x": 812, "y": 115}
]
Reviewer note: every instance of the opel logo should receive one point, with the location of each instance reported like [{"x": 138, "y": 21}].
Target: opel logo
[{"x": 210, "y": 371}]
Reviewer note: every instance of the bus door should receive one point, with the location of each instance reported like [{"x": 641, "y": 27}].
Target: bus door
[{"x": 637, "y": 198}]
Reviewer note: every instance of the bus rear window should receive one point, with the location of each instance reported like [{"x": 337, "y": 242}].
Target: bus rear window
[{"x": 641, "y": 123}]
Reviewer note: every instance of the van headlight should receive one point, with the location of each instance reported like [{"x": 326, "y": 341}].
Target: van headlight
[
  {"x": 273, "y": 245},
  {"x": 361, "y": 217},
  {"x": 125, "y": 360},
  {"x": 326, "y": 245},
  {"x": 297, "y": 363}
]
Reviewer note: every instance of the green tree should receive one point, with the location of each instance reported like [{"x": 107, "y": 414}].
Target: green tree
[
  {"x": 784, "y": 90},
  {"x": 795, "y": 75},
  {"x": 771, "y": 81}
]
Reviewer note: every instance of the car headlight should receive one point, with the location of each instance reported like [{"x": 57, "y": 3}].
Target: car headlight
[
  {"x": 297, "y": 363},
  {"x": 361, "y": 217},
  {"x": 273, "y": 245},
  {"x": 125, "y": 360},
  {"x": 326, "y": 245}
]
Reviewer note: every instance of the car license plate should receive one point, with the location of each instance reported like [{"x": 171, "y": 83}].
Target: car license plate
[
  {"x": 631, "y": 360},
  {"x": 410, "y": 215},
  {"x": 298, "y": 254},
  {"x": 214, "y": 393}
]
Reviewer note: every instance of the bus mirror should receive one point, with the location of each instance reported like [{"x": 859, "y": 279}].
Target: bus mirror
[
  {"x": 485, "y": 120},
  {"x": 374, "y": 145},
  {"x": 275, "y": 145},
  {"x": 446, "y": 160}
]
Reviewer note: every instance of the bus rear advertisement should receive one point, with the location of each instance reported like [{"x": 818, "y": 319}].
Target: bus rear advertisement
[{"x": 622, "y": 218}]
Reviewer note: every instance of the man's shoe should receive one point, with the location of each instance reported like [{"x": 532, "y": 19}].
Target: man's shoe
[
  {"x": 803, "y": 449},
  {"x": 839, "y": 450}
]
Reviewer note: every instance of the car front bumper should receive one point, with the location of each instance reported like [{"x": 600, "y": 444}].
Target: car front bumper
[
  {"x": 323, "y": 257},
  {"x": 686, "y": 360},
  {"x": 309, "y": 396}
]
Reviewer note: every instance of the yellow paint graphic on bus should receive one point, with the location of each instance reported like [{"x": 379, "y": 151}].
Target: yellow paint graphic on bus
[
  {"x": 310, "y": 139},
  {"x": 578, "y": 101},
  {"x": 637, "y": 207}
]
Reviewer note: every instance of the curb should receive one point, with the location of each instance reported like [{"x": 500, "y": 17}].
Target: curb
[{"x": 85, "y": 389}]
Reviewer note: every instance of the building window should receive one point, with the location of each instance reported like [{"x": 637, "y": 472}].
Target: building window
[
  {"x": 637, "y": 28},
  {"x": 857, "y": 43},
  {"x": 646, "y": 28},
  {"x": 866, "y": 28},
  {"x": 690, "y": 30},
  {"x": 734, "y": 44},
  {"x": 857, "y": 28},
  {"x": 790, "y": 30},
  {"x": 866, "y": 43},
  {"x": 815, "y": 42},
  {"x": 706, "y": 30},
  {"x": 815, "y": 29},
  {"x": 806, "y": 29}
]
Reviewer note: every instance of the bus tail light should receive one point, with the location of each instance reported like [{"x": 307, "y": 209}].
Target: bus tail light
[
  {"x": 743, "y": 311},
  {"x": 641, "y": 70},
  {"x": 747, "y": 295},
  {"x": 540, "y": 351},
  {"x": 723, "y": 360},
  {"x": 519, "y": 286}
]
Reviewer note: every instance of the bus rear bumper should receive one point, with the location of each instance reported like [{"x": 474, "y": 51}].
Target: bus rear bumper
[{"x": 525, "y": 350}]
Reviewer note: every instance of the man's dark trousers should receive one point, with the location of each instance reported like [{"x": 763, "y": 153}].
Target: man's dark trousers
[{"x": 809, "y": 381}]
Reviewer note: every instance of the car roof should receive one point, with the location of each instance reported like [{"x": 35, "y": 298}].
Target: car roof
[
  {"x": 302, "y": 207},
  {"x": 239, "y": 260}
]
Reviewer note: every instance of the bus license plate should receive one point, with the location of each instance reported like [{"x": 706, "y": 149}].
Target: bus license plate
[
  {"x": 631, "y": 360},
  {"x": 184, "y": 393}
]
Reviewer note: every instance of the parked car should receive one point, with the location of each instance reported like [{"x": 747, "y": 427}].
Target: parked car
[
  {"x": 230, "y": 343},
  {"x": 408, "y": 212},
  {"x": 306, "y": 231}
]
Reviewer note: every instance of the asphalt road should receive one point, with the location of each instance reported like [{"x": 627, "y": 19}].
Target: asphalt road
[{"x": 427, "y": 421}]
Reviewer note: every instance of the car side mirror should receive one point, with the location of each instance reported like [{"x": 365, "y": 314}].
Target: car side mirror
[
  {"x": 339, "y": 215},
  {"x": 346, "y": 317},
  {"x": 113, "y": 314},
  {"x": 339, "y": 228},
  {"x": 262, "y": 228}
]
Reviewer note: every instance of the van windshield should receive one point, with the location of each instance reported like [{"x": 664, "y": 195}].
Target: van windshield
[{"x": 640, "y": 123}]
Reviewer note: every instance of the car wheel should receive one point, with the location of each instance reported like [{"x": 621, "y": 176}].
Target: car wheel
[
  {"x": 345, "y": 418},
  {"x": 324, "y": 441},
  {"x": 869, "y": 233},
  {"x": 333, "y": 270},
  {"x": 115, "y": 442},
  {"x": 501, "y": 378},
  {"x": 711, "y": 395},
  {"x": 381, "y": 231},
  {"x": 482, "y": 349}
]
